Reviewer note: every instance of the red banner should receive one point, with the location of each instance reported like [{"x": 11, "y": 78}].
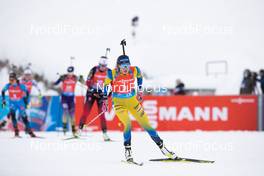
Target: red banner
[{"x": 168, "y": 113}]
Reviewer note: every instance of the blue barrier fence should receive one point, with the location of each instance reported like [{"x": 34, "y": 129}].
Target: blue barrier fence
[{"x": 45, "y": 113}]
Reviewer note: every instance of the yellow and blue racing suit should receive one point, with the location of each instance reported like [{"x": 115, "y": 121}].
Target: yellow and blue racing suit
[{"x": 125, "y": 101}]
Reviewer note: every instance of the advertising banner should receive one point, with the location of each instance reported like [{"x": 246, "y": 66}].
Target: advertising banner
[
  {"x": 167, "y": 113},
  {"x": 44, "y": 114}
]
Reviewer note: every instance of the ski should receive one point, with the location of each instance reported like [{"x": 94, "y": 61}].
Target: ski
[
  {"x": 35, "y": 137},
  {"x": 179, "y": 159},
  {"x": 38, "y": 137},
  {"x": 110, "y": 140},
  {"x": 73, "y": 137},
  {"x": 133, "y": 162},
  {"x": 16, "y": 137}
]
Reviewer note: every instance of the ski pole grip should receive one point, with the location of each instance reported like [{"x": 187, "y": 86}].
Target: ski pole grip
[{"x": 123, "y": 43}]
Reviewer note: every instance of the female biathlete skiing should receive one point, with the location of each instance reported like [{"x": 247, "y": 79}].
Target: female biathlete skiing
[
  {"x": 18, "y": 101},
  {"x": 95, "y": 80},
  {"x": 69, "y": 81},
  {"x": 126, "y": 99}
]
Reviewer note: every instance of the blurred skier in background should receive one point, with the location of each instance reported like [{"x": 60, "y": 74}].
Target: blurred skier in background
[
  {"x": 29, "y": 82},
  {"x": 69, "y": 81},
  {"x": 95, "y": 93},
  {"x": 18, "y": 101}
]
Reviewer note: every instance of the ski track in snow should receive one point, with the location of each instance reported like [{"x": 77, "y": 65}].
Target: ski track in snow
[{"x": 235, "y": 153}]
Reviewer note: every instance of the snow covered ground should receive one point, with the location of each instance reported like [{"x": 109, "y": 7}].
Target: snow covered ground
[{"x": 235, "y": 153}]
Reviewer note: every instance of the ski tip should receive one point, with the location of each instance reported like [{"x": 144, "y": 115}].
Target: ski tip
[
  {"x": 38, "y": 137},
  {"x": 182, "y": 160},
  {"x": 110, "y": 140},
  {"x": 70, "y": 138},
  {"x": 16, "y": 137},
  {"x": 133, "y": 162}
]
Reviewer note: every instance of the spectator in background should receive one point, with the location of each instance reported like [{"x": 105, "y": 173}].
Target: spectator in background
[
  {"x": 254, "y": 77},
  {"x": 261, "y": 80},
  {"x": 247, "y": 85},
  {"x": 180, "y": 88}
]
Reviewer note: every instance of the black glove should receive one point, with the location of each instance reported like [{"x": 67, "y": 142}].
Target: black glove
[
  {"x": 104, "y": 96},
  {"x": 26, "y": 101},
  {"x": 105, "y": 106},
  {"x": 3, "y": 104},
  {"x": 101, "y": 94},
  {"x": 90, "y": 91}
]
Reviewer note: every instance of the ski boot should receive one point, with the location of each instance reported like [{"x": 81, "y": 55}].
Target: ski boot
[
  {"x": 17, "y": 132},
  {"x": 74, "y": 132},
  {"x": 166, "y": 152},
  {"x": 64, "y": 128},
  {"x": 128, "y": 153},
  {"x": 81, "y": 125},
  {"x": 30, "y": 132},
  {"x": 3, "y": 124},
  {"x": 106, "y": 137}
]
